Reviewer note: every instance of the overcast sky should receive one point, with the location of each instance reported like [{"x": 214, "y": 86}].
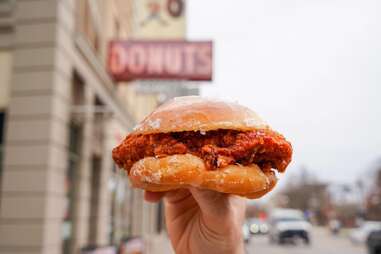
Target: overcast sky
[{"x": 310, "y": 68}]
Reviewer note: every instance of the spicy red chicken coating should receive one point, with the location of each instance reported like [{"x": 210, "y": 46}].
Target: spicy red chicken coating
[{"x": 217, "y": 148}]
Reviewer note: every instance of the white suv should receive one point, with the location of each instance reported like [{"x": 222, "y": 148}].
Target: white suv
[{"x": 286, "y": 224}]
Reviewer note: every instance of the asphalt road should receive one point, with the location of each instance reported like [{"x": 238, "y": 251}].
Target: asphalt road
[{"x": 322, "y": 242}]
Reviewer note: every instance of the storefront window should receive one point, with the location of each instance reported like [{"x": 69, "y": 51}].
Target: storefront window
[
  {"x": 160, "y": 217},
  {"x": 74, "y": 163},
  {"x": 2, "y": 123},
  {"x": 5, "y": 84},
  {"x": 75, "y": 138},
  {"x": 94, "y": 199},
  {"x": 120, "y": 209},
  {"x": 112, "y": 185}
]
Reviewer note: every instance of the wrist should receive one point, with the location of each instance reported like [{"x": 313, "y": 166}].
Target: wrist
[{"x": 240, "y": 248}]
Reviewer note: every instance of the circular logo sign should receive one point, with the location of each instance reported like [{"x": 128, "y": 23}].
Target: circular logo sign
[{"x": 175, "y": 8}]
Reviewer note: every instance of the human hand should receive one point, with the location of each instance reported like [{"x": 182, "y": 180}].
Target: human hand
[{"x": 203, "y": 221}]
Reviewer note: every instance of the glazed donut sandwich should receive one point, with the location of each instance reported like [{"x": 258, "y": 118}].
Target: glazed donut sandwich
[{"x": 205, "y": 143}]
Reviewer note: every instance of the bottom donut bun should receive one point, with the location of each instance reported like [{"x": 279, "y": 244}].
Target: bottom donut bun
[{"x": 181, "y": 171}]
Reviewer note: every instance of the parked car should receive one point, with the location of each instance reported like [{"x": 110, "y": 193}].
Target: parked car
[
  {"x": 373, "y": 242},
  {"x": 360, "y": 235},
  {"x": 258, "y": 226},
  {"x": 288, "y": 224}
]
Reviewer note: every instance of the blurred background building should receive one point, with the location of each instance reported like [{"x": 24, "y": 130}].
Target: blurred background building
[{"x": 61, "y": 114}]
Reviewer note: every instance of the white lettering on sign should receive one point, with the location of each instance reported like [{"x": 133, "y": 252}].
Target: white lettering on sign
[{"x": 163, "y": 60}]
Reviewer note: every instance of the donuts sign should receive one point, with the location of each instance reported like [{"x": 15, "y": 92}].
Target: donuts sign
[{"x": 172, "y": 60}]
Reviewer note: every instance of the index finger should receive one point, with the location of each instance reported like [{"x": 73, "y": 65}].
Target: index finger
[{"x": 153, "y": 197}]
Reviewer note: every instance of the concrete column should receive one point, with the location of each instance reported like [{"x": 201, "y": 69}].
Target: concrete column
[
  {"x": 104, "y": 198},
  {"x": 149, "y": 218},
  {"x": 81, "y": 211},
  {"x": 35, "y": 162},
  {"x": 101, "y": 203},
  {"x": 137, "y": 212}
]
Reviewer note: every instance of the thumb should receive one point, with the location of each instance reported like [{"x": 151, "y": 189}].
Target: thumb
[{"x": 216, "y": 205}]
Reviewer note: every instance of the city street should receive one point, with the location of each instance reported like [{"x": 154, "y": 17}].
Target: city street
[
  {"x": 322, "y": 242},
  {"x": 104, "y": 102}
]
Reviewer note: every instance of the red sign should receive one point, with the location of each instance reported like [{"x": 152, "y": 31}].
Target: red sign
[{"x": 180, "y": 60}]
